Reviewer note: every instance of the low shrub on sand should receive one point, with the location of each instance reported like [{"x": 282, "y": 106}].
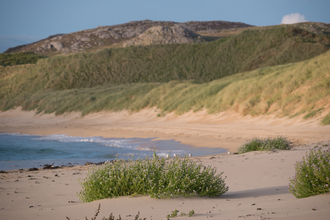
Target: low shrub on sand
[
  {"x": 268, "y": 144},
  {"x": 312, "y": 175},
  {"x": 157, "y": 177}
]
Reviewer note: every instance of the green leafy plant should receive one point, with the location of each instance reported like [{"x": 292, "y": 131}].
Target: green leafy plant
[
  {"x": 257, "y": 144},
  {"x": 312, "y": 175},
  {"x": 157, "y": 177},
  {"x": 174, "y": 214}
]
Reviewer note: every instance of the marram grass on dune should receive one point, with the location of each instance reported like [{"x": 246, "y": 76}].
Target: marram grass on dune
[
  {"x": 181, "y": 78},
  {"x": 157, "y": 177},
  {"x": 289, "y": 90}
]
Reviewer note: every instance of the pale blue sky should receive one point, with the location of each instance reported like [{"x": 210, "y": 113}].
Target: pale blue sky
[{"x": 26, "y": 21}]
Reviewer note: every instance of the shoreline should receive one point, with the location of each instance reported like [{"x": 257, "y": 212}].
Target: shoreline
[
  {"x": 225, "y": 130},
  {"x": 258, "y": 181},
  {"x": 84, "y": 150}
]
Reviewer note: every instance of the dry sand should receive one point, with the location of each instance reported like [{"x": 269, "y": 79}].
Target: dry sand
[{"x": 257, "y": 180}]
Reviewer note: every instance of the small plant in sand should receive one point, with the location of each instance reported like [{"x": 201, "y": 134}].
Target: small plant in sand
[
  {"x": 157, "y": 177},
  {"x": 268, "y": 144},
  {"x": 111, "y": 217},
  {"x": 175, "y": 214},
  {"x": 312, "y": 175}
]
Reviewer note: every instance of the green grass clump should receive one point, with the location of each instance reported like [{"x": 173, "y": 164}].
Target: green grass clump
[
  {"x": 312, "y": 175},
  {"x": 157, "y": 177},
  {"x": 326, "y": 120},
  {"x": 268, "y": 144},
  {"x": 312, "y": 113}
]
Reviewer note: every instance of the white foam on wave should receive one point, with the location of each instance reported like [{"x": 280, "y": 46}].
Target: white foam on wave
[
  {"x": 16, "y": 134},
  {"x": 107, "y": 142}
]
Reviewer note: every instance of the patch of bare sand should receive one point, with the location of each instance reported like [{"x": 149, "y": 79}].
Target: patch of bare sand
[
  {"x": 257, "y": 190},
  {"x": 257, "y": 180}
]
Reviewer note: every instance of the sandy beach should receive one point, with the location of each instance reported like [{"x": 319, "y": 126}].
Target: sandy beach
[{"x": 258, "y": 181}]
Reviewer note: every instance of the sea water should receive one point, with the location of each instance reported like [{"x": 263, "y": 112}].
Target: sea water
[{"x": 18, "y": 151}]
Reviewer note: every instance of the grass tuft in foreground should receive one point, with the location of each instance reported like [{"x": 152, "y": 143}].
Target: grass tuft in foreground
[
  {"x": 268, "y": 144},
  {"x": 312, "y": 174},
  {"x": 157, "y": 177}
]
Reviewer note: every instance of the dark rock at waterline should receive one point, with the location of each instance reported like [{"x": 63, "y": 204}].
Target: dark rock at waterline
[
  {"x": 50, "y": 166},
  {"x": 91, "y": 163},
  {"x": 33, "y": 169}
]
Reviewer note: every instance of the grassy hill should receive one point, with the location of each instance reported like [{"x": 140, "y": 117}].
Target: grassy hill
[{"x": 183, "y": 77}]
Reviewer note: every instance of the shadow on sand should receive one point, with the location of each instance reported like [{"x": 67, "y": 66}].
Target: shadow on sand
[{"x": 276, "y": 190}]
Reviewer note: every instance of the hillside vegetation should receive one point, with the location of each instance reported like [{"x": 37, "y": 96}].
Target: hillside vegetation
[
  {"x": 183, "y": 77},
  {"x": 289, "y": 90},
  {"x": 203, "y": 62},
  {"x": 19, "y": 58}
]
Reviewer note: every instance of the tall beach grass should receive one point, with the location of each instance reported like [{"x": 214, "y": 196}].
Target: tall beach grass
[
  {"x": 299, "y": 89},
  {"x": 182, "y": 78}
]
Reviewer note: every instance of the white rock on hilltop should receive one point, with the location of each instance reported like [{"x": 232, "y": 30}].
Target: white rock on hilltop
[
  {"x": 57, "y": 45},
  {"x": 164, "y": 35}
]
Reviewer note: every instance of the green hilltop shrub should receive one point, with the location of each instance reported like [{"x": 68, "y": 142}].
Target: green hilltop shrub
[
  {"x": 12, "y": 59},
  {"x": 157, "y": 177},
  {"x": 312, "y": 175},
  {"x": 268, "y": 144}
]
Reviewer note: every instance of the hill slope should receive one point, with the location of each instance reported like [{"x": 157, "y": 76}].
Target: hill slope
[
  {"x": 205, "y": 62},
  {"x": 115, "y": 35},
  {"x": 111, "y": 79}
]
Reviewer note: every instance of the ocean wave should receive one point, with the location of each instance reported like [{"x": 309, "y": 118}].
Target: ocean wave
[
  {"x": 108, "y": 142},
  {"x": 16, "y": 134}
]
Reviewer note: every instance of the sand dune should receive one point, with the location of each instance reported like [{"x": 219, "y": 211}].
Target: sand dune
[{"x": 257, "y": 180}]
